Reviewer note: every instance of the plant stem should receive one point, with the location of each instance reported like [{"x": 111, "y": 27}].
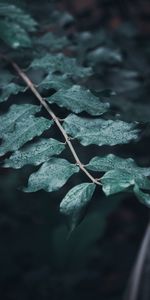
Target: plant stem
[{"x": 53, "y": 116}]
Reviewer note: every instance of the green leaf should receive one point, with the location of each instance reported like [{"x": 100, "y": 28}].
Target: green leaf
[
  {"x": 25, "y": 130},
  {"x": 91, "y": 40},
  {"x": 14, "y": 35},
  {"x": 78, "y": 99},
  {"x": 51, "y": 176},
  {"x": 116, "y": 181},
  {"x": 104, "y": 55},
  {"x": 142, "y": 181},
  {"x": 35, "y": 154},
  {"x": 15, "y": 114},
  {"x": 53, "y": 42},
  {"x": 144, "y": 198},
  {"x": 99, "y": 131},
  {"x": 61, "y": 63},
  {"x": 10, "y": 89},
  {"x": 56, "y": 82},
  {"x": 75, "y": 202},
  {"x": 17, "y": 15},
  {"x": 111, "y": 161}
]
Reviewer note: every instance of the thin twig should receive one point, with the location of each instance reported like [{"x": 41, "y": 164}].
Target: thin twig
[{"x": 53, "y": 116}]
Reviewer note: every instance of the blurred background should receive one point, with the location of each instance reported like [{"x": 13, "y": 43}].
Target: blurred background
[{"x": 37, "y": 260}]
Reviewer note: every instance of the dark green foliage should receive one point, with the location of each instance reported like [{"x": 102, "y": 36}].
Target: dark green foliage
[
  {"x": 96, "y": 81},
  {"x": 66, "y": 81},
  {"x": 61, "y": 63},
  {"x": 52, "y": 42},
  {"x": 15, "y": 25}
]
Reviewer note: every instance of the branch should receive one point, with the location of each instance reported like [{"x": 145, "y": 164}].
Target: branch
[{"x": 31, "y": 86}]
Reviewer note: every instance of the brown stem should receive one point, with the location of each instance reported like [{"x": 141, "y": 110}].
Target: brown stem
[{"x": 53, "y": 116}]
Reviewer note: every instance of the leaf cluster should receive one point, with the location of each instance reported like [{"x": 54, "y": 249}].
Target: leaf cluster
[{"x": 25, "y": 130}]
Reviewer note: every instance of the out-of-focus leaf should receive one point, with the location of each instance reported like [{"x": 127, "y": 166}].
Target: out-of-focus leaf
[
  {"x": 61, "y": 63},
  {"x": 104, "y": 55},
  {"x": 53, "y": 42},
  {"x": 17, "y": 15},
  {"x": 14, "y": 35}
]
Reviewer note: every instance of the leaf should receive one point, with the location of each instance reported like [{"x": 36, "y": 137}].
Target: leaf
[
  {"x": 104, "y": 55},
  {"x": 10, "y": 89},
  {"x": 53, "y": 42},
  {"x": 78, "y": 99},
  {"x": 62, "y": 18},
  {"x": 51, "y": 176},
  {"x": 17, "y": 15},
  {"x": 75, "y": 202},
  {"x": 15, "y": 114},
  {"x": 99, "y": 131},
  {"x": 90, "y": 40},
  {"x": 61, "y": 63},
  {"x": 35, "y": 154},
  {"x": 56, "y": 82},
  {"x": 14, "y": 35},
  {"x": 111, "y": 161},
  {"x": 116, "y": 181},
  {"x": 24, "y": 131},
  {"x": 144, "y": 198}
]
